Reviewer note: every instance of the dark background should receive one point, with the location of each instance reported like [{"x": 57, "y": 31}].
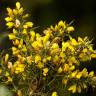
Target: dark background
[{"x": 48, "y": 12}]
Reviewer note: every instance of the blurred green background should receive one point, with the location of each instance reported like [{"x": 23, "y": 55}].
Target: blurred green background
[{"x": 44, "y": 13}]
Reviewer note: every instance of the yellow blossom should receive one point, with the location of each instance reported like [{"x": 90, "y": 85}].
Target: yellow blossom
[
  {"x": 37, "y": 58},
  {"x": 72, "y": 88},
  {"x": 16, "y": 42},
  {"x": 19, "y": 68},
  {"x": 62, "y": 24},
  {"x": 54, "y": 94},
  {"x": 79, "y": 75},
  {"x": 93, "y": 55},
  {"x": 70, "y": 29},
  {"x": 10, "y": 24},
  {"x": 66, "y": 67},
  {"x": 18, "y": 5},
  {"x": 45, "y": 71},
  {"x": 91, "y": 74},
  {"x": 10, "y": 13},
  {"x": 8, "y": 19},
  {"x": 55, "y": 46},
  {"x": 74, "y": 73},
  {"x": 6, "y": 57},
  {"x": 40, "y": 65},
  {"x": 74, "y": 42},
  {"x": 11, "y": 36},
  {"x": 7, "y": 74},
  {"x": 15, "y": 12},
  {"x": 60, "y": 70}
]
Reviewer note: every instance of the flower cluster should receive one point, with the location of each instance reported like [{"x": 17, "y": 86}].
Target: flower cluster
[{"x": 37, "y": 62}]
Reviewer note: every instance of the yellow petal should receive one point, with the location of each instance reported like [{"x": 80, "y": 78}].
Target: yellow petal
[
  {"x": 18, "y": 5},
  {"x": 72, "y": 88}
]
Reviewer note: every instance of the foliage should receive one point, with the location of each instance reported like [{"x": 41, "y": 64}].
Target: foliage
[{"x": 47, "y": 64}]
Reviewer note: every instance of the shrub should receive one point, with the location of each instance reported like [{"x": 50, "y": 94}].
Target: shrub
[{"x": 48, "y": 64}]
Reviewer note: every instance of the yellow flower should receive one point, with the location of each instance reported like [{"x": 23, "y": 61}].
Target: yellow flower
[
  {"x": 55, "y": 46},
  {"x": 60, "y": 70},
  {"x": 54, "y": 94},
  {"x": 10, "y": 12},
  {"x": 7, "y": 74},
  {"x": 18, "y": 5},
  {"x": 66, "y": 67},
  {"x": 27, "y": 24},
  {"x": 72, "y": 88},
  {"x": 37, "y": 58},
  {"x": 84, "y": 72},
  {"x": 70, "y": 29},
  {"x": 45, "y": 71},
  {"x": 16, "y": 42},
  {"x": 74, "y": 42},
  {"x": 11, "y": 36},
  {"x": 6, "y": 57},
  {"x": 91, "y": 74},
  {"x": 37, "y": 45},
  {"x": 10, "y": 24},
  {"x": 93, "y": 55},
  {"x": 19, "y": 68},
  {"x": 40, "y": 65},
  {"x": 79, "y": 75},
  {"x": 74, "y": 73},
  {"x": 62, "y": 24},
  {"x": 8, "y": 19},
  {"x": 15, "y": 12},
  {"x": 65, "y": 45}
]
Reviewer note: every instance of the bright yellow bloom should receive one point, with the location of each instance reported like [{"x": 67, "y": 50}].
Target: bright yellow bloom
[
  {"x": 79, "y": 75},
  {"x": 7, "y": 74},
  {"x": 27, "y": 25},
  {"x": 55, "y": 46},
  {"x": 16, "y": 42},
  {"x": 10, "y": 13},
  {"x": 91, "y": 74},
  {"x": 18, "y": 5},
  {"x": 15, "y": 12},
  {"x": 93, "y": 55},
  {"x": 19, "y": 68},
  {"x": 10, "y": 24},
  {"x": 60, "y": 70},
  {"x": 62, "y": 24},
  {"x": 70, "y": 29},
  {"x": 74, "y": 74},
  {"x": 37, "y": 58},
  {"x": 6, "y": 57},
  {"x": 66, "y": 67},
  {"x": 11, "y": 36},
  {"x": 40, "y": 65},
  {"x": 74, "y": 42},
  {"x": 8, "y": 19},
  {"x": 54, "y": 94},
  {"x": 45, "y": 71},
  {"x": 72, "y": 88}
]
